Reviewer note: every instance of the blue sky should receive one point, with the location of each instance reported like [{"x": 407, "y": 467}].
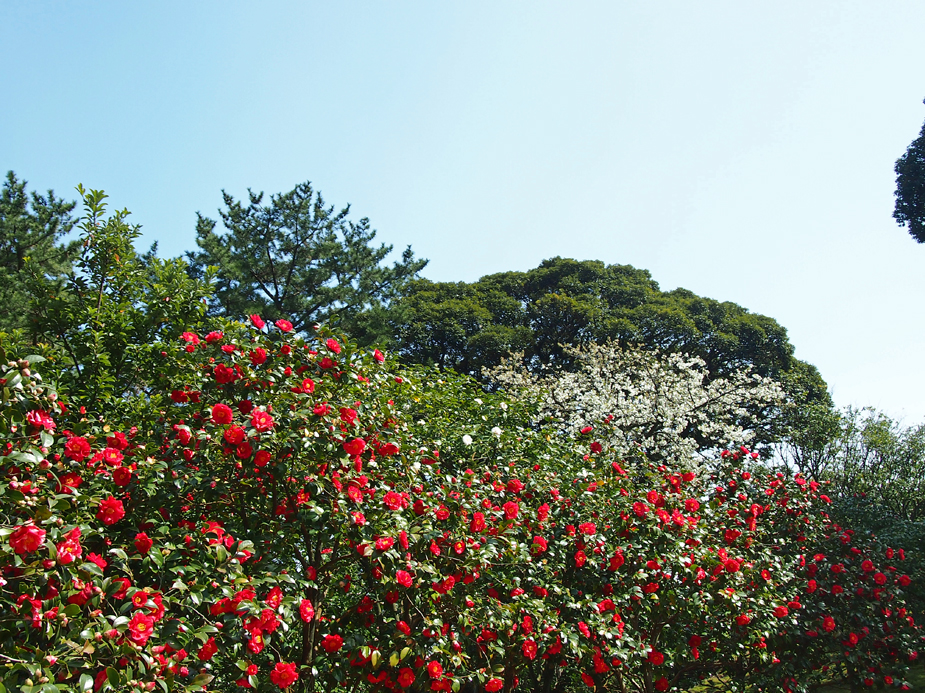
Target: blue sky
[{"x": 741, "y": 150}]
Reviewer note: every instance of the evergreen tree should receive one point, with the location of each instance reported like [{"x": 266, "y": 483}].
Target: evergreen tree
[
  {"x": 32, "y": 229},
  {"x": 296, "y": 258}
]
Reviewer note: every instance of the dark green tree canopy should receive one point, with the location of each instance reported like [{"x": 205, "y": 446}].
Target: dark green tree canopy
[
  {"x": 298, "y": 259},
  {"x": 32, "y": 229},
  {"x": 910, "y": 188},
  {"x": 567, "y": 302}
]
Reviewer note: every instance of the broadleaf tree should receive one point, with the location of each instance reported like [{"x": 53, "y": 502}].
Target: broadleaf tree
[
  {"x": 101, "y": 327},
  {"x": 910, "y": 188},
  {"x": 298, "y": 258}
]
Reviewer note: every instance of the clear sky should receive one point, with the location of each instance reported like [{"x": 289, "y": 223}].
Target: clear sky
[{"x": 743, "y": 151}]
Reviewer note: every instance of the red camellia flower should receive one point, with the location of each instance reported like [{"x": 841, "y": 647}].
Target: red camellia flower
[
  {"x": 616, "y": 561},
  {"x": 143, "y": 543},
  {"x": 77, "y": 448},
  {"x": 333, "y": 345},
  {"x": 743, "y": 620},
  {"x": 112, "y": 457},
  {"x": 141, "y": 627},
  {"x": 828, "y": 624},
  {"x": 640, "y": 509},
  {"x": 392, "y": 500},
  {"x": 41, "y": 419},
  {"x": 306, "y": 610},
  {"x": 355, "y": 447},
  {"x": 261, "y": 420},
  {"x": 529, "y": 649},
  {"x": 26, "y": 538},
  {"x": 511, "y": 509},
  {"x": 494, "y": 685},
  {"x": 258, "y": 356},
  {"x": 588, "y": 528},
  {"x": 662, "y": 684},
  {"x": 580, "y": 558},
  {"x": 234, "y": 435},
  {"x": 283, "y": 325},
  {"x": 262, "y": 458},
  {"x": 405, "y": 677},
  {"x": 257, "y": 321},
  {"x": 539, "y": 545},
  {"x": 434, "y": 669},
  {"x": 224, "y": 374},
  {"x": 880, "y": 578},
  {"x": 731, "y": 565},
  {"x": 284, "y": 674},
  {"x": 781, "y": 611},
  {"x": 379, "y": 356},
  {"x": 208, "y": 650},
  {"x": 332, "y": 643},
  {"x": 221, "y": 414},
  {"x": 656, "y": 658},
  {"x": 110, "y": 511}
]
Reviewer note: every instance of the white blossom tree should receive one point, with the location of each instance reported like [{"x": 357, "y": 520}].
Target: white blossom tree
[{"x": 665, "y": 405}]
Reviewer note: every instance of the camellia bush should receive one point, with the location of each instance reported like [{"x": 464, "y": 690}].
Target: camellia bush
[{"x": 288, "y": 512}]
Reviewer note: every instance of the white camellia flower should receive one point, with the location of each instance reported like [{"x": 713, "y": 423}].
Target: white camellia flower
[
  {"x": 467, "y": 439},
  {"x": 496, "y": 432}
]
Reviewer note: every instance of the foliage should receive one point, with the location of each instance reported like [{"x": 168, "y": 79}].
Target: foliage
[
  {"x": 869, "y": 455},
  {"x": 910, "y": 188},
  {"x": 564, "y": 302},
  {"x": 298, "y": 259},
  {"x": 282, "y": 518},
  {"x": 102, "y": 328},
  {"x": 32, "y": 229}
]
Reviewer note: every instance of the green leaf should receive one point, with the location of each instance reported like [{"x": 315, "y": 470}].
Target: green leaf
[
  {"x": 91, "y": 568},
  {"x": 113, "y": 677}
]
